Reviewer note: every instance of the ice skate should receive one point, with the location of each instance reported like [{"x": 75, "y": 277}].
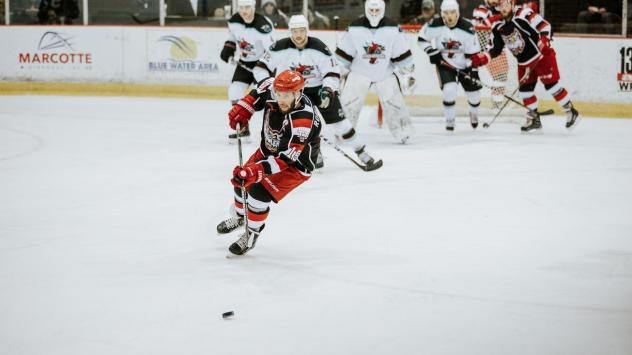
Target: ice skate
[
  {"x": 473, "y": 120},
  {"x": 245, "y": 136},
  {"x": 533, "y": 123},
  {"x": 572, "y": 118},
  {"x": 230, "y": 225},
  {"x": 240, "y": 246}
]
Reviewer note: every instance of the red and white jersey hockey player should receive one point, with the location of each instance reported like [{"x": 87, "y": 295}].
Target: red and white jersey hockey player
[
  {"x": 528, "y": 36},
  {"x": 252, "y": 33},
  {"x": 289, "y": 137},
  {"x": 373, "y": 48}
]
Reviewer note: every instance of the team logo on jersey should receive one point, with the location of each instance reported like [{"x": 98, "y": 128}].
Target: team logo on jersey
[
  {"x": 307, "y": 71},
  {"x": 246, "y": 48},
  {"x": 452, "y": 47},
  {"x": 374, "y": 52},
  {"x": 514, "y": 42},
  {"x": 272, "y": 137}
]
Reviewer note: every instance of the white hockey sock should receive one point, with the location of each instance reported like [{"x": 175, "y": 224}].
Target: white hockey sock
[{"x": 474, "y": 100}]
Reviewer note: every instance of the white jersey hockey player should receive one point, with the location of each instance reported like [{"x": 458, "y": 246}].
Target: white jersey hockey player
[
  {"x": 373, "y": 48},
  {"x": 252, "y": 34},
  {"x": 311, "y": 57},
  {"x": 454, "y": 43}
]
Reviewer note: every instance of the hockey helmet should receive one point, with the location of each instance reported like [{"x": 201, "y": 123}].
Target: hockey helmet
[
  {"x": 374, "y": 11},
  {"x": 448, "y": 5},
  {"x": 298, "y": 21},
  {"x": 246, "y": 3},
  {"x": 289, "y": 80}
]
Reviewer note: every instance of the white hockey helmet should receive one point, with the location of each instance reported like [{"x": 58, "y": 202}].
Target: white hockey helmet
[
  {"x": 298, "y": 21},
  {"x": 448, "y": 5},
  {"x": 374, "y": 11},
  {"x": 244, "y": 3}
]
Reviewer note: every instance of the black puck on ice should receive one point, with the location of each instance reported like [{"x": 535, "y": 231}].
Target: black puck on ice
[{"x": 228, "y": 314}]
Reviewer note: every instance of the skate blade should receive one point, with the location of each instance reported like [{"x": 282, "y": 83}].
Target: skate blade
[{"x": 533, "y": 132}]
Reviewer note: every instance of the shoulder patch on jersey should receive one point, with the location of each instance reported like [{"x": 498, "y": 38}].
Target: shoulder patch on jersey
[
  {"x": 317, "y": 45},
  {"x": 261, "y": 24}
]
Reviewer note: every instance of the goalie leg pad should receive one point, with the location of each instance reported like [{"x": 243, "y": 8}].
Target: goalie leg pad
[
  {"x": 395, "y": 111},
  {"x": 353, "y": 96}
]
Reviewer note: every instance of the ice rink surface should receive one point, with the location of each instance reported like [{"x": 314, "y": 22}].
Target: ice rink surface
[{"x": 487, "y": 242}]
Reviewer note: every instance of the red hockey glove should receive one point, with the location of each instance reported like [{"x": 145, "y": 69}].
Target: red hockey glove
[
  {"x": 479, "y": 60},
  {"x": 241, "y": 112},
  {"x": 249, "y": 174},
  {"x": 544, "y": 44}
]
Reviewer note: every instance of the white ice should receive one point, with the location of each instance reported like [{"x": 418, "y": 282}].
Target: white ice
[{"x": 486, "y": 242}]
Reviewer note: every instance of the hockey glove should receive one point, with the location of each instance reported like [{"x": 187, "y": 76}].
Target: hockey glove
[
  {"x": 435, "y": 55},
  {"x": 228, "y": 51},
  {"x": 326, "y": 95},
  {"x": 479, "y": 59},
  {"x": 248, "y": 174},
  {"x": 241, "y": 112}
]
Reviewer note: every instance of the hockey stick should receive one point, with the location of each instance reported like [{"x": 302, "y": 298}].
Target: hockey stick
[
  {"x": 336, "y": 147},
  {"x": 461, "y": 73},
  {"x": 244, "y": 194}
]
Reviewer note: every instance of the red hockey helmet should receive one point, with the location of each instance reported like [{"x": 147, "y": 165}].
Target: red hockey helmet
[{"x": 289, "y": 80}]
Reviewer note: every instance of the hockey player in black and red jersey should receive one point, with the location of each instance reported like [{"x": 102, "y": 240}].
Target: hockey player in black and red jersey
[
  {"x": 289, "y": 137},
  {"x": 454, "y": 42},
  {"x": 252, "y": 34},
  {"x": 528, "y": 36},
  {"x": 311, "y": 57}
]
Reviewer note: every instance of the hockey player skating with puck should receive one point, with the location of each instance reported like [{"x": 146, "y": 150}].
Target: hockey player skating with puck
[
  {"x": 252, "y": 34},
  {"x": 528, "y": 36},
  {"x": 455, "y": 42},
  {"x": 311, "y": 57},
  {"x": 376, "y": 52},
  {"x": 289, "y": 136}
]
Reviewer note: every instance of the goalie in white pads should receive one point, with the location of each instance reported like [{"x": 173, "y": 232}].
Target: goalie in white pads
[
  {"x": 252, "y": 34},
  {"x": 454, "y": 43},
  {"x": 312, "y": 59},
  {"x": 373, "y": 48}
]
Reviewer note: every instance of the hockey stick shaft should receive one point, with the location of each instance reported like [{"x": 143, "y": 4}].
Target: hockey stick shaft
[
  {"x": 244, "y": 194},
  {"x": 337, "y": 148}
]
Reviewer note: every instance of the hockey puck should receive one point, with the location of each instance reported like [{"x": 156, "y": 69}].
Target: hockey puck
[{"x": 228, "y": 314}]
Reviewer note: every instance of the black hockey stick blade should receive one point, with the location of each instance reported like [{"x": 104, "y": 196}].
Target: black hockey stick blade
[{"x": 546, "y": 112}]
